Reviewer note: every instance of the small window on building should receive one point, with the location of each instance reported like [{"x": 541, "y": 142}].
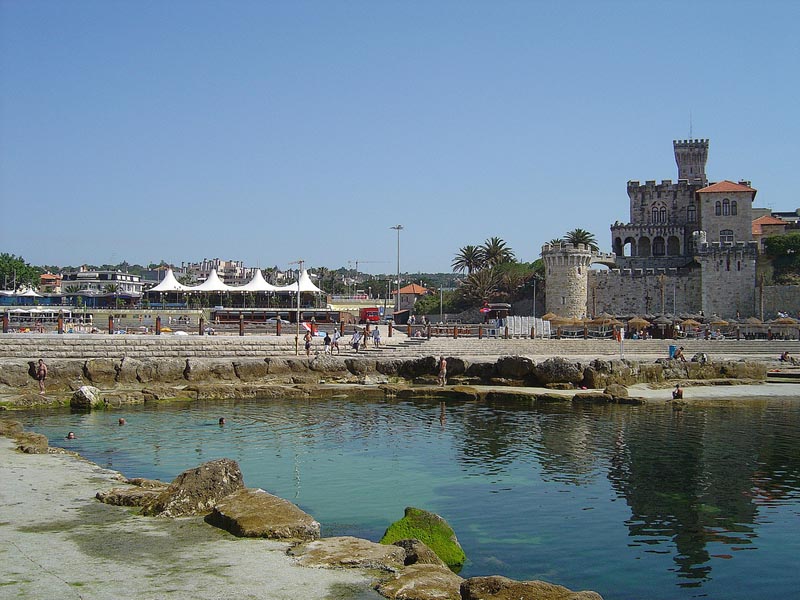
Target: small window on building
[
  {"x": 663, "y": 214},
  {"x": 718, "y": 208},
  {"x": 734, "y": 207},
  {"x": 654, "y": 216},
  {"x": 691, "y": 214},
  {"x": 726, "y": 236},
  {"x": 726, "y": 207}
]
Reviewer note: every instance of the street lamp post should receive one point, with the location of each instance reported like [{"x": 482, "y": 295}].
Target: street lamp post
[
  {"x": 297, "y": 328},
  {"x": 398, "y": 229}
]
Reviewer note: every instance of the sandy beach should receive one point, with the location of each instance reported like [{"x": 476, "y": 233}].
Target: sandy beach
[{"x": 58, "y": 541}]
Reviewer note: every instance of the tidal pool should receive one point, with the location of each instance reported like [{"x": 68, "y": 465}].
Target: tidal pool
[{"x": 633, "y": 502}]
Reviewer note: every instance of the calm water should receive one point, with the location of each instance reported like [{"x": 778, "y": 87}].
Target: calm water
[{"x": 634, "y": 502}]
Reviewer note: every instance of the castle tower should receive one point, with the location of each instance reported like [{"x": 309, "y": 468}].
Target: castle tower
[
  {"x": 566, "y": 277},
  {"x": 691, "y": 157}
]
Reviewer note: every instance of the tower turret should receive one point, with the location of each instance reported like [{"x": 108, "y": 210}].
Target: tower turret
[{"x": 691, "y": 157}]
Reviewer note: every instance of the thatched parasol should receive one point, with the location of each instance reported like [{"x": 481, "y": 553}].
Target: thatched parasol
[
  {"x": 690, "y": 323},
  {"x": 604, "y": 320},
  {"x": 784, "y": 321},
  {"x": 753, "y": 321},
  {"x": 717, "y": 321},
  {"x": 637, "y": 322},
  {"x": 549, "y": 316}
]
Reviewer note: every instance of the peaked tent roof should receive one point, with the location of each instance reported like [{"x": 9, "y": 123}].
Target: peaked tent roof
[
  {"x": 306, "y": 285},
  {"x": 256, "y": 284},
  {"x": 169, "y": 284},
  {"x": 212, "y": 284},
  {"x": 28, "y": 293}
]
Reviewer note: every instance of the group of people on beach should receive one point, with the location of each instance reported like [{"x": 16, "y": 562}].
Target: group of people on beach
[{"x": 330, "y": 342}]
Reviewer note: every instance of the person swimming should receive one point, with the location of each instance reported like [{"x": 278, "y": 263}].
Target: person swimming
[{"x": 71, "y": 436}]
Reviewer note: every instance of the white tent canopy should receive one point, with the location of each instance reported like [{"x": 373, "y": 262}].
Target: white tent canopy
[
  {"x": 256, "y": 284},
  {"x": 169, "y": 284},
  {"x": 28, "y": 293},
  {"x": 306, "y": 285},
  {"x": 212, "y": 284}
]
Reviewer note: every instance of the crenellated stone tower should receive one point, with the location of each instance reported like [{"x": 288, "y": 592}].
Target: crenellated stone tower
[
  {"x": 686, "y": 248},
  {"x": 691, "y": 157},
  {"x": 567, "y": 272}
]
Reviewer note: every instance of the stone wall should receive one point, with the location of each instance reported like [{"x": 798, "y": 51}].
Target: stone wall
[
  {"x": 639, "y": 291},
  {"x": 783, "y": 298}
]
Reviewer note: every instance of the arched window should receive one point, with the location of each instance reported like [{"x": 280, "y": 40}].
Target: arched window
[
  {"x": 734, "y": 207},
  {"x": 691, "y": 214},
  {"x": 726, "y": 236},
  {"x": 673, "y": 246},
  {"x": 659, "y": 248},
  {"x": 654, "y": 217},
  {"x": 726, "y": 207},
  {"x": 662, "y": 213},
  {"x": 718, "y": 208}
]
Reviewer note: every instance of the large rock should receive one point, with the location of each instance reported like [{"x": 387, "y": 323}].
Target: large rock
[
  {"x": 559, "y": 370},
  {"x": 86, "y": 397},
  {"x": 426, "y": 365},
  {"x": 128, "y": 370},
  {"x": 360, "y": 367},
  {"x": 250, "y": 369},
  {"x": 328, "y": 363},
  {"x": 419, "y": 553},
  {"x": 422, "y": 582},
  {"x": 502, "y": 588},
  {"x": 256, "y": 513},
  {"x": 430, "y": 529},
  {"x": 31, "y": 443},
  {"x": 349, "y": 552},
  {"x": 196, "y": 491},
  {"x": 129, "y": 496},
  {"x": 162, "y": 370},
  {"x": 9, "y": 428},
  {"x": 16, "y": 373},
  {"x": 514, "y": 367},
  {"x": 205, "y": 369},
  {"x": 101, "y": 370}
]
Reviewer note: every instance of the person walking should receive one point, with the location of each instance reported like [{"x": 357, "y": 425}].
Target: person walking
[
  {"x": 442, "y": 371},
  {"x": 376, "y": 337},
  {"x": 335, "y": 341},
  {"x": 326, "y": 341},
  {"x": 41, "y": 375},
  {"x": 307, "y": 340}
]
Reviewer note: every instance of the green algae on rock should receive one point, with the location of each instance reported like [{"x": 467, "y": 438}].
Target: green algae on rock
[{"x": 431, "y": 529}]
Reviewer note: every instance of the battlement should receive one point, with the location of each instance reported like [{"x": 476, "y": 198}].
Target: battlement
[
  {"x": 693, "y": 143},
  {"x": 566, "y": 248},
  {"x": 722, "y": 248},
  {"x": 607, "y": 274},
  {"x": 666, "y": 185}
]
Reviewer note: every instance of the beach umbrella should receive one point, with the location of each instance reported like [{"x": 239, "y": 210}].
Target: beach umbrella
[
  {"x": 637, "y": 322},
  {"x": 549, "y": 316},
  {"x": 784, "y": 321},
  {"x": 753, "y": 321},
  {"x": 690, "y": 323},
  {"x": 717, "y": 321},
  {"x": 604, "y": 319}
]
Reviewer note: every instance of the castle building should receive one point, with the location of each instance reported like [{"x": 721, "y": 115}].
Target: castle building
[{"x": 687, "y": 248}]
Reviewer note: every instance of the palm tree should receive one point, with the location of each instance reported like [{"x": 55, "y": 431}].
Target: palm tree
[
  {"x": 469, "y": 259},
  {"x": 482, "y": 285},
  {"x": 496, "y": 252},
  {"x": 556, "y": 242},
  {"x": 581, "y": 236}
]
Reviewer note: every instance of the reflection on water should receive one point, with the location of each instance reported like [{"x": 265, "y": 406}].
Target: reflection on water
[{"x": 629, "y": 501}]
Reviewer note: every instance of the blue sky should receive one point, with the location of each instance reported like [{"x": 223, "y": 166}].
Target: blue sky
[{"x": 271, "y": 131}]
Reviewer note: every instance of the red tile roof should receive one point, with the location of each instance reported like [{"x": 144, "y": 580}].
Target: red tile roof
[
  {"x": 725, "y": 186},
  {"x": 766, "y": 220},
  {"x": 413, "y": 288}
]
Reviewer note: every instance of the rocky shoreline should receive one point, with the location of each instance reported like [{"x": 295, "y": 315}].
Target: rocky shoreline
[{"x": 118, "y": 382}]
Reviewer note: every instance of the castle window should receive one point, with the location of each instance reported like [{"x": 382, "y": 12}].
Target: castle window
[
  {"x": 691, "y": 214},
  {"x": 654, "y": 217},
  {"x": 726, "y": 236},
  {"x": 718, "y": 208},
  {"x": 734, "y": 207},
  {"x": 662, "y": 213},
  {"x": 738, "y": 265},
  {"x": 726, "y": 207},
  {"x": 659, "y": 248}
]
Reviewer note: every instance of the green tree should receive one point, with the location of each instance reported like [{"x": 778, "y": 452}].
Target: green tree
[
  {"x": 469, "y": 258},
  {"x": 581, "y": 236},
  {"x": 783, "y": 252},
  {"x": 496, "y": 252},
  {"x": 16, "y": 273},
  {"x": 482, "y": 286}
]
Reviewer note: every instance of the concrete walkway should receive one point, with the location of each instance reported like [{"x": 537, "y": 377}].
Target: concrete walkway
[{"x": 57, "y": 541}]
